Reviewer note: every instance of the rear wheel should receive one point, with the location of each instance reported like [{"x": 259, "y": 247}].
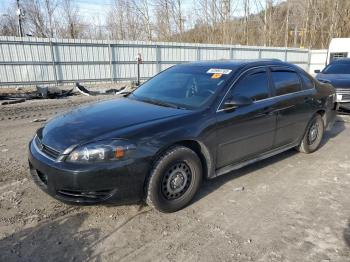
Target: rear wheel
[
  {"x": 174, "y": 179},
  {"x": 313, "y": 136}
]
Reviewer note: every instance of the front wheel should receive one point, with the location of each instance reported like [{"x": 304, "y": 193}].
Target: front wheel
[
  {"x": 174, "y": 179},
  {"x": 313, "y": 136}
]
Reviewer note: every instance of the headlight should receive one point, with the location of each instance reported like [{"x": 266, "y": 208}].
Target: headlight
[{"x": 102, "y": 151}]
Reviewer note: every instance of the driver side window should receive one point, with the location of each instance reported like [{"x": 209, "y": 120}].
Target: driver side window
[{"x": 254, "y": 85}]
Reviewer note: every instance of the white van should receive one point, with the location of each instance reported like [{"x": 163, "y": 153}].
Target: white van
[{"x": 338, "y": 48}]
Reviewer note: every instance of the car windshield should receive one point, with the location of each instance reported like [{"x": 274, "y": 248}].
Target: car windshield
[
  {"x": 337, "y": 69},
  {"x": 185, "y": 86}
]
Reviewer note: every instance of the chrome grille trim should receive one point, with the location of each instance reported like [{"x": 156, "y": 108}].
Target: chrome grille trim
[
  {"x": 45, "y": 150},
  {"x": 342, "y": 91}
]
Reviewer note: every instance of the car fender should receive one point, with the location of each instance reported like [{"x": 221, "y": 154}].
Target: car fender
[{"x": 199, "y": 147}]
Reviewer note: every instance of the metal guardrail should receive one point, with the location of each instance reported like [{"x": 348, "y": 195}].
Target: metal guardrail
[{"x": 30, "y": 61}]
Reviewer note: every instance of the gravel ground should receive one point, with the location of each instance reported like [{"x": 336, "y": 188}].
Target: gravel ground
[{"x": 292, "y": 207}]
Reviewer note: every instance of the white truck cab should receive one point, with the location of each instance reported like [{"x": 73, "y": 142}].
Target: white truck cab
[{"x": 338, "y": 48}]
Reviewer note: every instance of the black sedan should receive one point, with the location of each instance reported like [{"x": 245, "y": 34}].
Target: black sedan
[
  {"x": 337, "y": 73},
  {"x": 192, "y": 121}
]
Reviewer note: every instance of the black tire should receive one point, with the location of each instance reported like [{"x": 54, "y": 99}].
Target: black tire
[
  {"x": 174, "y": 179},
  {"x": 313, "y": 135}
]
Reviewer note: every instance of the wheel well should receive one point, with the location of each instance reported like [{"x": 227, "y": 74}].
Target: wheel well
[
  {"x": 322, "y": 113},
  {"x": 202, "y": 154},
  {"x": 200, "y": 150}
]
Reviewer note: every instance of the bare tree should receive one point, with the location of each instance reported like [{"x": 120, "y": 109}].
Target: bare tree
[
  {"x": 35, "y": 18},
  {"x": 163, "y": 24},
  {"x": 177, "y": 13},
  {"x": 142, "y": 10},
  {"x": 49, "y": 9},
  {"x": 286, "y": 33},
  {"x": 299, "y": 23},
  {"x": 71, "y": 26},
  {"x": 123, "y": 21},
  {"x": 40, "y": 17},
  {"x": 8, "y": 22},
  {"x": 246, "y": 21}
]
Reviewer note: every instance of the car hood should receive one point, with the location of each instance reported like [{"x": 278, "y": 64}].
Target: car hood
[
  {"x": 337, "y": 80},
  {"x": 87, "y": 123}
]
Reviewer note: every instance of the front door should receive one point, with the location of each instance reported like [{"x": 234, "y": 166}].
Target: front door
[{"x": 249, "y": 130}]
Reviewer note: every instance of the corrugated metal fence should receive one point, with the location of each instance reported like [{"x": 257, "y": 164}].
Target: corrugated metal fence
[
  {"x": 318, "y": 60},
  {"x": 29, "y": 61}
]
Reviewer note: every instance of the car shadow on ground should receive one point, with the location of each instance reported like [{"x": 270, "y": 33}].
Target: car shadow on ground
[
  {"x": 337, "y": 127},
  {"x": 57, "y": 240},
  {"x": 213, "y": 184},
  {"x": 347, "y": 234}
]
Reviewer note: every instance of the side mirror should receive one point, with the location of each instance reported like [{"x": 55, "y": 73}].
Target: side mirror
[
  {"x": 237, "y": 101},
  {"x": 317, "y": 71}
]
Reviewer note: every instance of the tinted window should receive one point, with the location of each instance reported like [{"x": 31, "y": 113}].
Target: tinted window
[
  {"x": 255, "y": 86},
  {"x": 335, "y": 56},
  {"x": 188, "y": 86},
  {"x": 286, "y": 82},
  {"x": 337, "y": 69},
  {"x": 307, "y": 82}
]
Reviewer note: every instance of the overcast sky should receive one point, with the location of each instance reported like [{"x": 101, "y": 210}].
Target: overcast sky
[
  {"x": 96, "y": 10},
  {"x": 87, "y": 7},
  {"x": 91, "y": 7}
]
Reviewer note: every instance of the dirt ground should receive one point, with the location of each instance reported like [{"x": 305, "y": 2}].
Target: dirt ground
[{"x": 292, "y": 207}]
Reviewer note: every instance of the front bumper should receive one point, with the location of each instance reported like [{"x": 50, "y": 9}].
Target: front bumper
[
  {"x": 117, "y": 182},
  {"x": 342, "y": 95}
]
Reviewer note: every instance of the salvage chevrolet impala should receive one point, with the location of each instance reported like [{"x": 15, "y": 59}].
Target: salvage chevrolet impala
[{"x": 190, "y": 122}]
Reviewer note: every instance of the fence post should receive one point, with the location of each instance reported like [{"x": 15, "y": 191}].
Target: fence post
[
  {"x": 198, "y": 53},
  {"x": 231, "y": 53},
  {"x": 285, "y": 54},
  {"x": 158, "y": 58},
  {"x": 260, "y": 53},
  {"x": 110, "y": 61},
  {"x": 53, "y": 60},
  {"x": 309, "y": 61}
]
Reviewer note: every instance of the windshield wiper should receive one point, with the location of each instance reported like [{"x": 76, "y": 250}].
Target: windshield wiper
[
  {"x": 161, "y": 103},
  {"x": 125, "y": 93}
]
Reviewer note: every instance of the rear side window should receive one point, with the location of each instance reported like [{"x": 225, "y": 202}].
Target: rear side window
[
  {"x": 285, "y": 82},
  {"x": 254, "y": 85}
]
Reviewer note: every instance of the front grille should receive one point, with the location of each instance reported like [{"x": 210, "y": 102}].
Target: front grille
[
  {"x": 342, "y": 90},
  {"x": 346, "y": 97},
  {"x": 50, "y": 152},
  {"x": 85, "y": 196}
]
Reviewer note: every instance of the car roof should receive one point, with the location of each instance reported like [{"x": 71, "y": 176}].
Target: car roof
[
  {"x": 236, "y": 64},
  {"x": 341, "y": 61}
]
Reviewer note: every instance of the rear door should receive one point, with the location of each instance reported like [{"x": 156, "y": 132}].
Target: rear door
[{"x": 292, "y": 103}]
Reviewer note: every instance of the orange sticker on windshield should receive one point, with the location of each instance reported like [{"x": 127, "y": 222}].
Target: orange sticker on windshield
[{"x": 216, "y": 76}]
